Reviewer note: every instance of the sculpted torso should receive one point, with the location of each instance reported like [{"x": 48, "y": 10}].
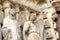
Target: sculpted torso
[
  {"x": 30, "y": 30},
  {"x": 11, "y": 24}
]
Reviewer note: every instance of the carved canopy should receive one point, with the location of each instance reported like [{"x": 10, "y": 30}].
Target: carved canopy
[
  {"x": 56, "y": 5},
  {"x": 33, "y": 4}
]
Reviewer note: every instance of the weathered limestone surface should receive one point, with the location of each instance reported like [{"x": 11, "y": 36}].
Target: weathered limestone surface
[
  {"x": 1, "y": 14},
  {"x": 33, "y": 5},
  {"x": 21, "y": 17},
  {"x": 30, "y": 32},
  {"x": 11, "y": 24},
  {"x": 40, "y": 27},
  {"x": 30, "y": 29},
  {"x": 58, "y": 25},
  {"x": 1, "y": 20},
  {"x": 50, "y": 31},
  {"x": 6, "y": 34},
  {"x": 0, "y": 33},
  {"x": 7, "y": 7},
  {"x": 36, "y": 25}
]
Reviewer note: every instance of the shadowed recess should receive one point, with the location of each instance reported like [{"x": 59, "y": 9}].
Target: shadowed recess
[{"x": 38, "y": 1}]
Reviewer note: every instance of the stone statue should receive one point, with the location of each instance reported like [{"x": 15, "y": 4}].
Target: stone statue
[
  {"x": 7, "y": 7},
  {"x": 10, "y": 24},
  {"x": 50, "y": 29},
  {"x": 30, "y": 30},
  {"x": 34, "y": 27},
  {"x": 39, "y": 22}
]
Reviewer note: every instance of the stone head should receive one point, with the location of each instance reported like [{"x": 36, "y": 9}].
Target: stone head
[
  {"x": 33, "y": 17},
  {"x": 6, "y": 4},
  {"x": 12, "y": 12}
]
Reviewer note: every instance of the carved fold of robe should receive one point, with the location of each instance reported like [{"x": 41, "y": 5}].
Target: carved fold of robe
[
  {"x": 30, "y": 31},
  {"x": 6, "y": 34},
  {"x": 49, "y": 30},
  {"x": 11, "y": 24},
  {"x": 40, "y": 27}
]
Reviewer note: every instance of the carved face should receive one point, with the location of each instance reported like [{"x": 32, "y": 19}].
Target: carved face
[
  {"x": 17, "y": 9},
  {"x": 32, "y": 16},
  {"x": 54, "y": 15},
  {"x": 6, "y": 4},
  {"x": 12, "y": 12}
]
